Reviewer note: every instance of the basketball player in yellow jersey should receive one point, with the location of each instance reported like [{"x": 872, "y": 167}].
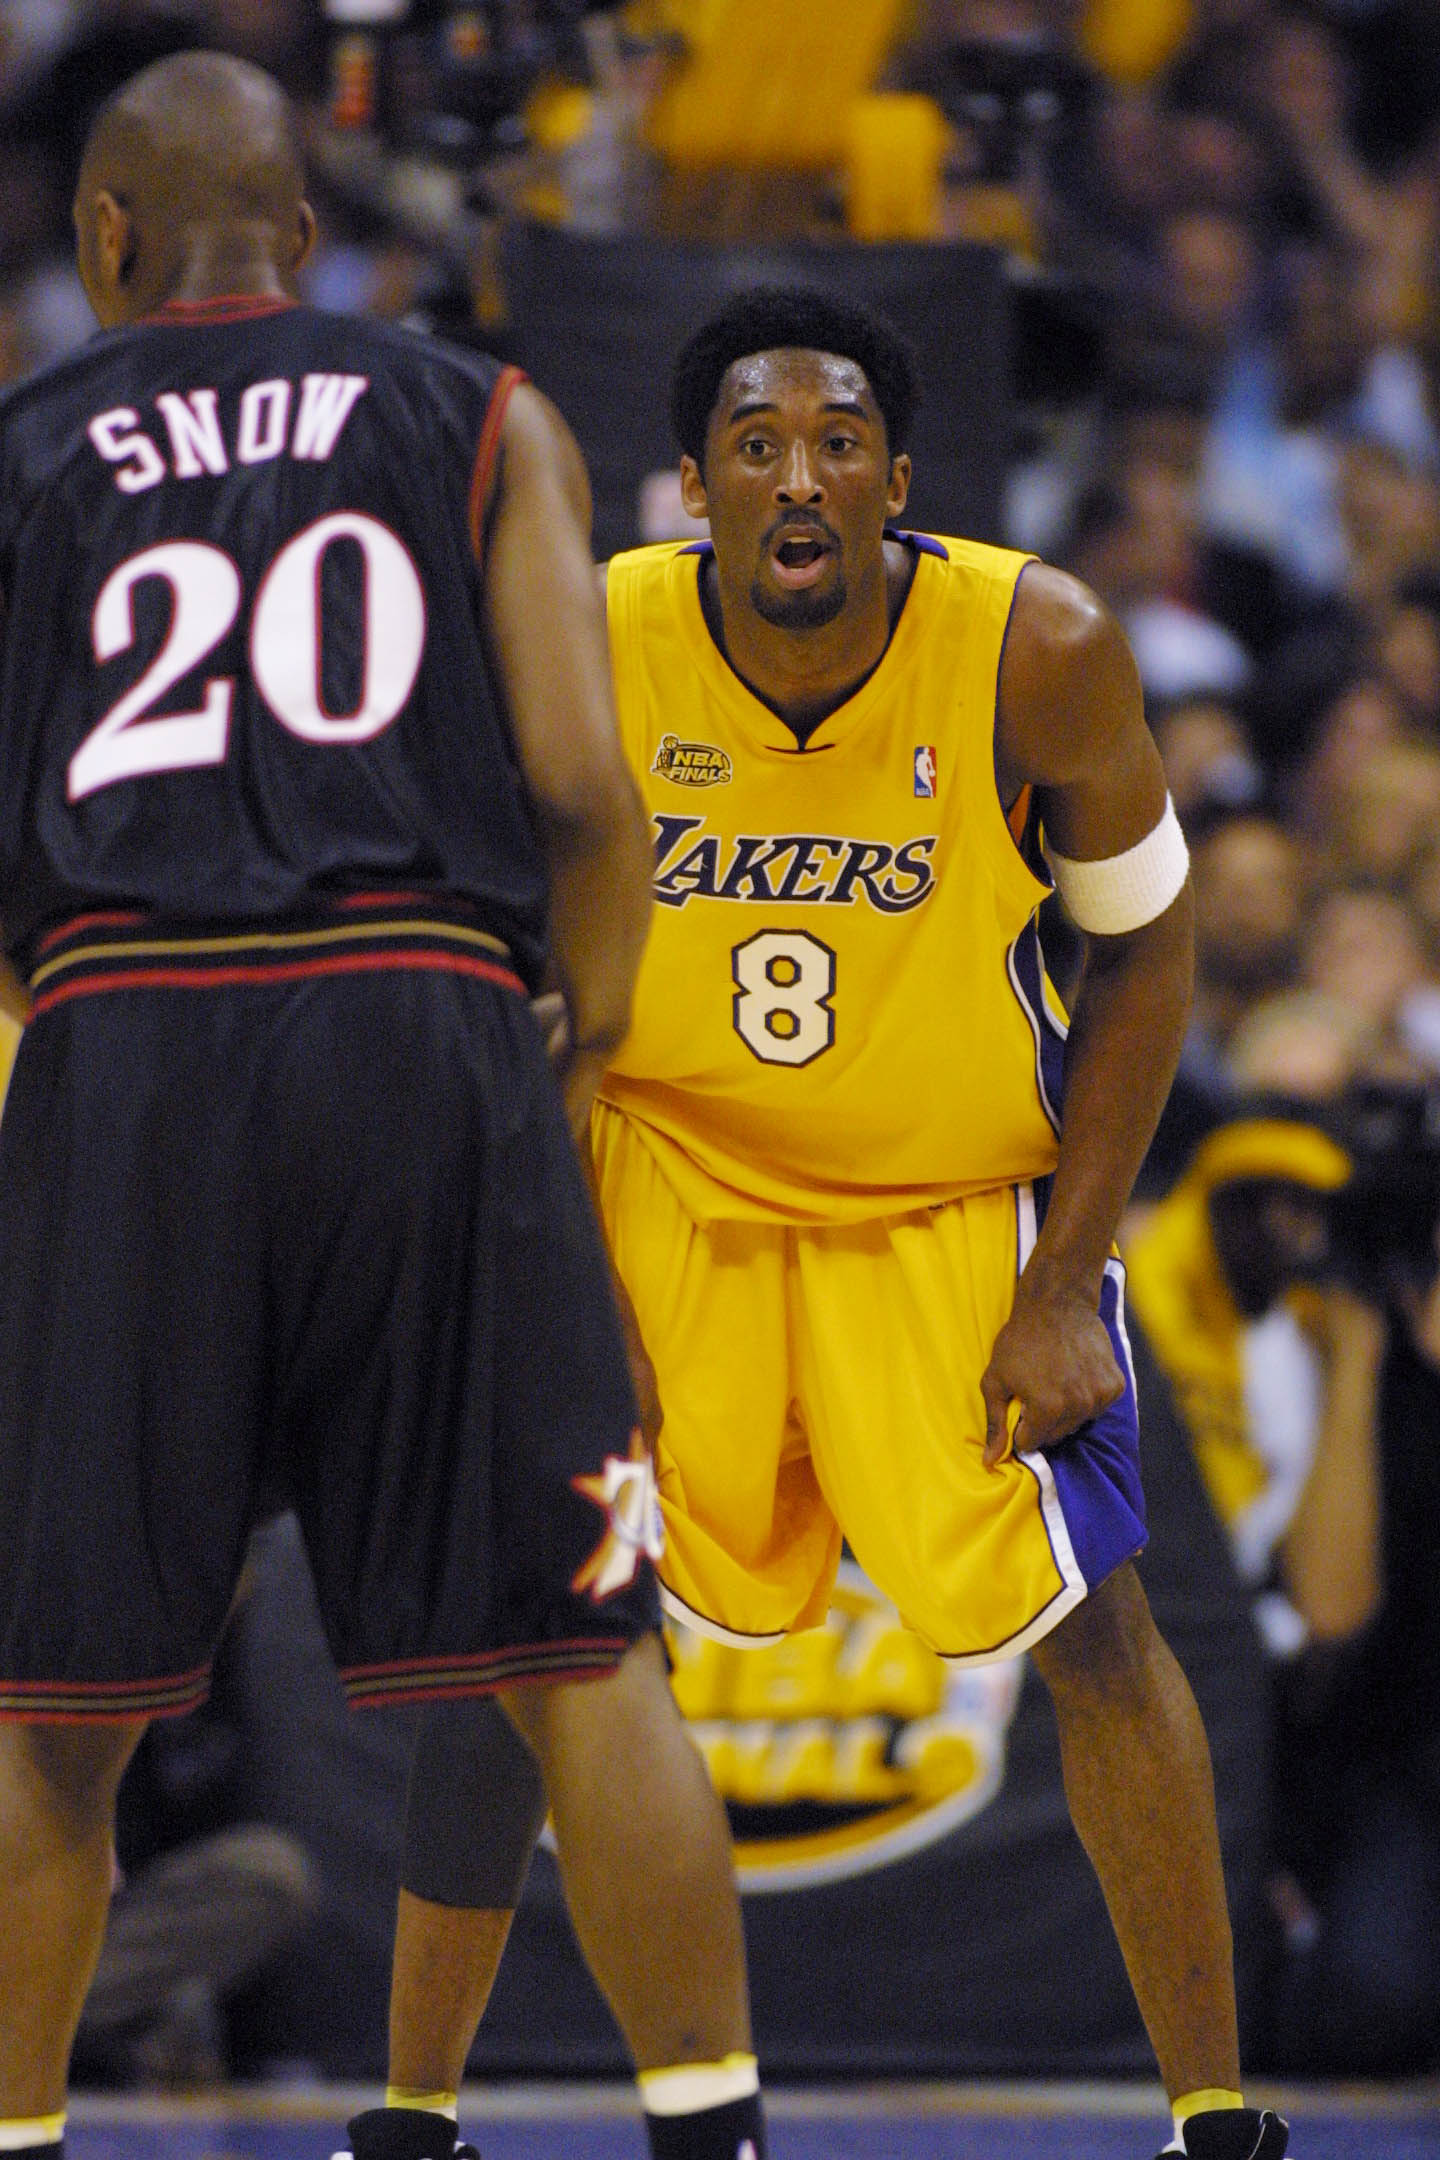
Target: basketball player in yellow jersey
[{"x": 867, "y": 1258}]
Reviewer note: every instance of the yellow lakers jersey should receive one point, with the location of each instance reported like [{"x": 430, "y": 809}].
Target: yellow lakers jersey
[{"x": 842, "y": 1011}]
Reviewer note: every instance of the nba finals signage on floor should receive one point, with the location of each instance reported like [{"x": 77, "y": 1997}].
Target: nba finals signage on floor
[{"x": 844, "y": 1748}]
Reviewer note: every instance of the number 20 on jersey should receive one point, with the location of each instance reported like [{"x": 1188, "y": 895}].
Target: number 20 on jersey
[{"x": 285, "y": 649}]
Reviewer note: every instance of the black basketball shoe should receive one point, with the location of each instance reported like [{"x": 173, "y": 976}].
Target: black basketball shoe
[
  {"x": 404, "y": 2134},
  {"x": 1235, "y": 2134}
]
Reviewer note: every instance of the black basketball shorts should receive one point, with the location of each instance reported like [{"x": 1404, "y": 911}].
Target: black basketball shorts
[{"x": 295, "y": 1219}]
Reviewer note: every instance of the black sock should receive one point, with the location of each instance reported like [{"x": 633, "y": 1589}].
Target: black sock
[
  {"x": 400, "y": 2133},
  {"x": 735, "y": 2131}
]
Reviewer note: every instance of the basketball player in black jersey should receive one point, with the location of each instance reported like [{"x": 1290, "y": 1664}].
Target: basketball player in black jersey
[{"x": 306, "y": 758}]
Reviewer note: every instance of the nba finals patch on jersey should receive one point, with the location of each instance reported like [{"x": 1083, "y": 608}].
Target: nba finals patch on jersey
[
  {"x": 691, "y": 764},
  {"x": 846, "y": 1747},
  {"x": 926, "y": 770}
]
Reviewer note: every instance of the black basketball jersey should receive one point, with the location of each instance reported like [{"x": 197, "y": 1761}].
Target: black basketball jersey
[{"x": 244, "y": 669}]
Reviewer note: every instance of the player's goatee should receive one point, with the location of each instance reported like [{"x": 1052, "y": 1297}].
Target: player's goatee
[{"x": 809, "y": 610}]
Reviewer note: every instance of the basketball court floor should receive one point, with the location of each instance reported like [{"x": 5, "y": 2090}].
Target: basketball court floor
[{"x": 892, "y": 2122}]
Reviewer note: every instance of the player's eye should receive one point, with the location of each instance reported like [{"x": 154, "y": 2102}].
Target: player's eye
[
  {"x": 837, "y": 445},
  {"x": 754, "y": 446}
]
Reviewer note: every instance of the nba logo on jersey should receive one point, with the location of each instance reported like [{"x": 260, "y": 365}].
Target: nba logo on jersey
[{"x": 925, "y": 769}]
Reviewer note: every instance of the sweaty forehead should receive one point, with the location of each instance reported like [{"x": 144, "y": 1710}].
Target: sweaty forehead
[{"x": 792, "y": 372}]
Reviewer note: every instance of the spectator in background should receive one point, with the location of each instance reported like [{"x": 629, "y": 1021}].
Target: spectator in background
[
  {"x": 1210, "y": 265},
  {"x": 1363, "y": 948},
  {"x": 1209, "y": 764},
  {"x": 1340, "y": 641},
  {"x": 1408, "y": 650},
  {"x": 1118, "y": 184},
  {"x": 1135, "y": 540},
  {"x": 1362, "y": 719},
  {"x": 1385, "y": 813},
  {"x": 1273, "y": 1362},
  {"x": 1357, "y": 1986},
  {"x": 1290, "y": 405},
  {"x": 1386, "y": 219},
  {"x": 1422, "y": 889},
  {"x": 1390, "y": 518},
  {"x": 1300, "y": 1044},
  {"x": 1222, "y": 158},
  {"x": 1175, "y": 619},
  {"x": 1250, "y": 892},
  {"x": 1277, "y": 1390}
]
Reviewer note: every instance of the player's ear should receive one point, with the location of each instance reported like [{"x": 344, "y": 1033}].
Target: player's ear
[
  {"x": 115, "y": 246},
  {"x": 692, "y": 489},
  {"x": 899, "y": 487},
  {"x": 304, "y": 235}
]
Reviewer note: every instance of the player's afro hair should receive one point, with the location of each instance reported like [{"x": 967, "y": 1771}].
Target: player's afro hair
[{"x": 770, "y": 317}]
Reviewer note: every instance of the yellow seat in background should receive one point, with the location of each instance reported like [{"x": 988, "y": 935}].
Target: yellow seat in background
[
  {"x": 894, "y": 150},
  {"x": 772, "y": 86},
  {"x": 1131, "y": 40}
]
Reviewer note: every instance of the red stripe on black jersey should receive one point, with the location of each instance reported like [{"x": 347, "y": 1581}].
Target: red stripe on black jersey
[
  {"x": 483, "y": 475},
  {"x": 225, "y": 307},
  {"x": 92, "y": 954}
]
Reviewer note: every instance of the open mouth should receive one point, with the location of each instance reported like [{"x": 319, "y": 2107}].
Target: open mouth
[{"x": 799, "y": 557}]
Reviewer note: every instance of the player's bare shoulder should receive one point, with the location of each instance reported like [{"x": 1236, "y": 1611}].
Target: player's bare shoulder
[
  {"x": 538, "y": 449},
  {"x": 1068, "y": 682}
]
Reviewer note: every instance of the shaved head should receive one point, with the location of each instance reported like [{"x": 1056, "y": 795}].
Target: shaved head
[{"x": 200, "y": 157}]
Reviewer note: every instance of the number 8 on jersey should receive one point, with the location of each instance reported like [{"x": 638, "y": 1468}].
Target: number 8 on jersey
[{"x": 784, "y": 981}]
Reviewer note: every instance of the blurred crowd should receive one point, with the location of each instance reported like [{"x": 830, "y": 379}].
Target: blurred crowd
[{"x": 1222, "y": 223}]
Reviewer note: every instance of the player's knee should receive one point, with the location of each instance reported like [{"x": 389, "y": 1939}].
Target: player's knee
[
  {"x": 566, "y": 1720},
  {"x": 69, "y": 1770},
  {"x": 1107, "y": 1648},
  {"x": 476, "y": 1807}
]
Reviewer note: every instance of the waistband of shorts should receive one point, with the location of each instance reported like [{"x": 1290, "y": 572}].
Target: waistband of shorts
[{"x": 365, "y": 933}]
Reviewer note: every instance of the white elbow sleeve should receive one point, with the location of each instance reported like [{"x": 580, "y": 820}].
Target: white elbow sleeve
[{"x": 1123, "y": 891}]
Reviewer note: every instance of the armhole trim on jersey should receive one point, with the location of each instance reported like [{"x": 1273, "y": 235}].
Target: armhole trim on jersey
[
  {"x": 482, "y": 476},
  {"x": 622, "y": 635},
  {"x": 922, "y": 543},
  {"x": 1011, "y": 831}
]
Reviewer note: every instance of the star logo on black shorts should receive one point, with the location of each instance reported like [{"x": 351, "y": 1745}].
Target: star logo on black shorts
[{"x": 625, "y": 1488}]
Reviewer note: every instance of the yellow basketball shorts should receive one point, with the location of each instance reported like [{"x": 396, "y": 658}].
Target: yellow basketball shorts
[{"x": 821, "y": 1385}]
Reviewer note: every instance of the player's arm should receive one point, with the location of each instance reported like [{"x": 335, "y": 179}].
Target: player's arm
[
  {"x": 1071, "y": 722},
  {"x": 14, "y": 997},
  {"x": 549, "y": 1010},
  {"x": 547, "y": 632},
  {"x": 1332, "y": 1550}
]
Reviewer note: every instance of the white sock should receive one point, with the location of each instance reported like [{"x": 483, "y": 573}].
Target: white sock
[
  {"x": 690, "y": 2087},
  {"x": 27, "y": 2132}
]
